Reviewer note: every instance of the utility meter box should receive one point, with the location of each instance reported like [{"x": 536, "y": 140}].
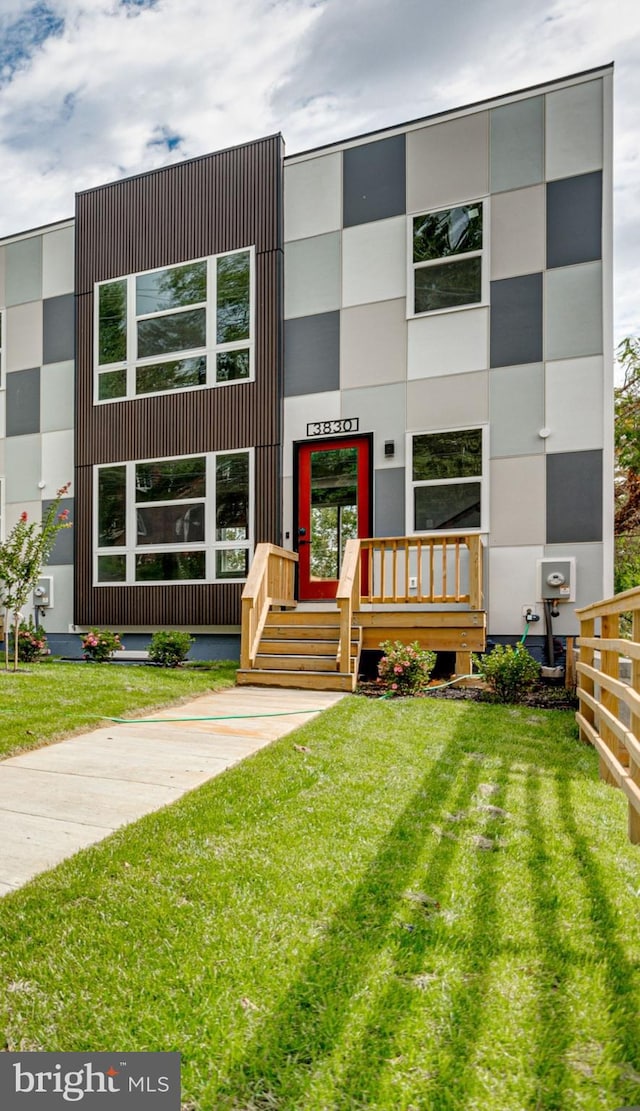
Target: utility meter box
[
  {"x": 557, "y": 579},
  {"x": 43, "y": 593}
]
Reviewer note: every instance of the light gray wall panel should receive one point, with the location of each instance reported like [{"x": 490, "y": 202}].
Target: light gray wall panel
[
  {"x": 574, "y": 130},
  {"x": 574, "y": 220},
  {"x": 448, "y": 401},
  {"x": 517, "y": 493},
  {"x": 57, "y": 396},
  {"x": 373, "y": 179},
  {"x": 373, "y": 344},
  {"x": 58, "y": 328},
  {"x": 58, "y": 262},
  {"x": 574, "y": 497},
  {"x": 312, "y": 275},
  {"x": 517, "y": 144},
  {"x": 23, "y": 465},
  {"x": 574, "y": 404},
  {"x": 381, "y": 410},
  {"x": 24, "y": 270},
  {"x": 573, "y": 311},
  {"x": 516, "y": 406},
  {"x": 62, "y": 551},
  {"x": 312, "y": 196},
  {"x": 23, "y": 402},
  {"x": 389, "y": 502},
  {"x": 312, "y": 354},
  {"x": 516, "y": 320},
  {"x": 448, "y": 162},
  {"x": 24, "y": 336},
  {"x": 518, "y": 232}
]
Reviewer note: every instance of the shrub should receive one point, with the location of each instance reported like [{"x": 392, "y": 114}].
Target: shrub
[
  {"x": 509, "y": 671},
  {"x": 32, "y": 641},
  {"x": 99, "y": 645},
  {"x": 404, "y": 668},
  {"x": 170, "y": 648}
]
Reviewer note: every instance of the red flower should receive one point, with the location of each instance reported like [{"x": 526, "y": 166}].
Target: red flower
[
  {"x": 63, "y": 516},
  {"x": 23, "y": 515}
]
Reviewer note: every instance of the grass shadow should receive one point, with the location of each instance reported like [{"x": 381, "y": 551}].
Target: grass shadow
[{"x": 302, "y": 1033}]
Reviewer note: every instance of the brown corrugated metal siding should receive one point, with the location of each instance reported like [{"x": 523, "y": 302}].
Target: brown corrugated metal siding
[{"x": 217, "y": 203}]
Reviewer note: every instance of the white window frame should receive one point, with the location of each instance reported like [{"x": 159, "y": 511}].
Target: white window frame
[
  {"x": 448, "y": 259},
  {"x": 211, "y": 349},
  {"x": 3, "y": 348},
  {"x": 483, "y": 479},
  {"x": 209, "y": 545}
]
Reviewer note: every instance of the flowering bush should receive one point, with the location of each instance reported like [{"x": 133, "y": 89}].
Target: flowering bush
[
  {"x": 32, "y": 641},
  {"x": 509, "y": 672},
  {"x": 169, "y": 648},
  {"x": 100, "y": 644},
  {"x": 404, "y": 668}
]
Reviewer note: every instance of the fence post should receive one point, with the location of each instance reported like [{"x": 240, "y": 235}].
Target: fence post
[
  {"x": 609, "y": 629},
  {"x": 587, "y": 629}
]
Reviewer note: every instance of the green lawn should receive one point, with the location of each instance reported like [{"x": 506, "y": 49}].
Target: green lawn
[
  {"x": 321, "y": 929},
  {"x": 44, "y": 701}
]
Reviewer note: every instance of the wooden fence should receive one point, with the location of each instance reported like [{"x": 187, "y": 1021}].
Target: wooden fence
[{"x": 613, "y": 731}]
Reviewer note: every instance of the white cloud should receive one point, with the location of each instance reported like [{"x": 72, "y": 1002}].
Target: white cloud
[{"x": 90, "y": 103}]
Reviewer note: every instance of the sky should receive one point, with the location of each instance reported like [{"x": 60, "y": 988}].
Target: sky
[{"x": 94, "y": 90}]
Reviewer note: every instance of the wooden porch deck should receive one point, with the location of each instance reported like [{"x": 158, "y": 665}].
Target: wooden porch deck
[{"x": 405, "y": 588}]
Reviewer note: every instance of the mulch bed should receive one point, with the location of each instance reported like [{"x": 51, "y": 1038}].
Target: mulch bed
[{"x": 544, "y": 696}]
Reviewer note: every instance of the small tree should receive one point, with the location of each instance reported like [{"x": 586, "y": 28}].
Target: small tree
[{"x": 22, "y": 555}]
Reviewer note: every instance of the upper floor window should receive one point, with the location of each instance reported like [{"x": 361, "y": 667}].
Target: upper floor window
[
  {"x": 177, "y": 328},
  {"x": 2, "y": 348},
  {"x": 447, "y": 481},
  {"x": 447, "y": 258}
]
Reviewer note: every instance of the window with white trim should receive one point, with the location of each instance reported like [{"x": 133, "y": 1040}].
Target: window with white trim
[
  {"x": 2, "y": 347},
  {"x": 447, "y": 478},
  {"x": 181, "y": 327},
  {"x": 448, "y": 268},
  {"x": 184, "y": 519}
]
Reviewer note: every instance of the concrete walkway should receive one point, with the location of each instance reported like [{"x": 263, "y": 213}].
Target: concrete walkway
[{"x": 56, "y": 800}]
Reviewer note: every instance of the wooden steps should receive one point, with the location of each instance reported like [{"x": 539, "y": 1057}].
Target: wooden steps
[{"x": 300, "y": 648}]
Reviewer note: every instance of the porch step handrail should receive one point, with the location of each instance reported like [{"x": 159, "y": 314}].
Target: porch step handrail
[
  {"x": 401, "y": 558},
  {"x": 601, "y": 694},
  {"x": 271, "y": 579},
  {"x": 348, "y": 599}
]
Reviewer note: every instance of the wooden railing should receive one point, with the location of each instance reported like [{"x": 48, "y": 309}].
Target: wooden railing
[
  {"x": 601, "y": 695},
  {"x": 436, "y": 569},
  {"x": 271, "y": 581},
  {"x": 348, "y": 599}
]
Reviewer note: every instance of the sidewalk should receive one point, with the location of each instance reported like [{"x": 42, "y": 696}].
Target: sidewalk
[{"x": 58, "y": 799}]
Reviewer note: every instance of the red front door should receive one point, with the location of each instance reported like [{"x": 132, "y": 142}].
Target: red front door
[{"x": 334, "y": 505}]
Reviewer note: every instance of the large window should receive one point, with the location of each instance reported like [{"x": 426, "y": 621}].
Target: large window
[
  {"x": 174, "y": 520},
  {"x": 447, "y": 258},
  {"x": 447, "y": 480},
  {"x": 2, "y": 348},
  {"x": 174, "y": 329}
]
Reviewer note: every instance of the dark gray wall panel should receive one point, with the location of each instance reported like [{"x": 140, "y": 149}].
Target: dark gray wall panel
[
  {"x": 516, "y": 320},
  {"x": 574, "y": 497},
  {"x": 23, "y": 402},
  {"x": 312, "y": 354},
  {"x": 389, "y": 502},
  {"x": 374, "y": 181},
  {"x": 58, "y": 329},
  {"x": 574, "y": 220},
  {"x": 62, "y": 551}
]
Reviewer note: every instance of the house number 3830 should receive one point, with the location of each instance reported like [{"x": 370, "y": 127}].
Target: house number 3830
[{"x": 332, "y": 427}]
